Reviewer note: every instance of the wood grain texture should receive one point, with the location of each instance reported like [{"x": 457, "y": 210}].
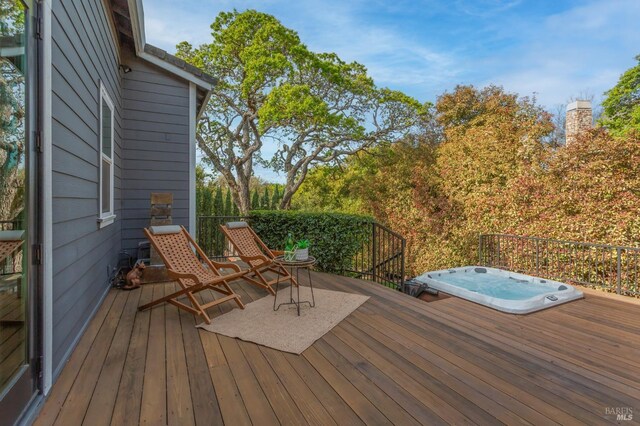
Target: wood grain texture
[{"x": 395, "y": 360}]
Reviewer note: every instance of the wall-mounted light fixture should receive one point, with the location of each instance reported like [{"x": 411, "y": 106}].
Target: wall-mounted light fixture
[{"x": 125, "y": 68}]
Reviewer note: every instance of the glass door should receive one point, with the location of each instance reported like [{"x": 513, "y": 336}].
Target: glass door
[{"x": 17, "y": 384}]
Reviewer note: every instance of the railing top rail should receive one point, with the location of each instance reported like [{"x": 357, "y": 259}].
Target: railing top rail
[
  {"x": 579, "y": 243},
  {"x": 223, "y": 217},
  {"x": 390, "y": 231}
]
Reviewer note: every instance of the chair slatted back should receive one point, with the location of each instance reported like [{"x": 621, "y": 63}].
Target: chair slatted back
[
  {"x": 7, "y": 248},
  {"x": 245, "y": 243},
  {"x": 177, "y": 253}
]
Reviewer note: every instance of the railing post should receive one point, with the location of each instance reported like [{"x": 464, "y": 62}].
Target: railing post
[
  {"x": 480, "y": 250},
  {"x": 404, "y": 244},
  {"x": 374, "y": 255},
  {"x": 619, "y": 271},
  {"x": 537, "y": 257}
]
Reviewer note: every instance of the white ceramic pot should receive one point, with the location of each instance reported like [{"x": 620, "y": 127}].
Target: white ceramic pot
[{"x": 302, "y": 254}]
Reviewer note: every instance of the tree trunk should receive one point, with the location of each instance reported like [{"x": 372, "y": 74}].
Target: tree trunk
[
  {"x": 244, "y": 199},
  {"x": 243, "y": 179},
  {"x": 9, "y": 183},
  {"x": 285, "y": 203},
  {"x": 294, "y": 180}
]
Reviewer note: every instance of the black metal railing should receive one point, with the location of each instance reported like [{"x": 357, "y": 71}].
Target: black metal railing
[
  {"x": 211, "y": 239},
  {"x": 380, "y": 256},
  {"x": 613, "y": 268}
]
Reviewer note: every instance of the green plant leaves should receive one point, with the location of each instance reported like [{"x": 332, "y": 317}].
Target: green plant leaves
[{"x": 334, "y": 238}]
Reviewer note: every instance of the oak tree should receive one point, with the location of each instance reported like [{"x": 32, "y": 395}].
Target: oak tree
[{"x": 315, "y": 107}]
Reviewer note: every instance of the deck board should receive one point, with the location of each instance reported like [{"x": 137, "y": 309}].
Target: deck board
[{"x": 395, "y": 360}]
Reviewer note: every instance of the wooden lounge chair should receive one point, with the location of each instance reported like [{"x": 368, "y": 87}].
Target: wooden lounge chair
[
  {"x": 179, "y": 252},
  {"x": 255, "y": 253}
]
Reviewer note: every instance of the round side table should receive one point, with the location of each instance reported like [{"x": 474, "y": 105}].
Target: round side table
[{"x": 297, "y": 265}]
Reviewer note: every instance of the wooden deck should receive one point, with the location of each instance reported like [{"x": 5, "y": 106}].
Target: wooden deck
[
  {"x": 394, "y": 360},
  {"x": 12, "y": 334}
]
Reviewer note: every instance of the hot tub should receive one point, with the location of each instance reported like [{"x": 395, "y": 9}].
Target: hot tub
[{"x": 502, "y": 290}]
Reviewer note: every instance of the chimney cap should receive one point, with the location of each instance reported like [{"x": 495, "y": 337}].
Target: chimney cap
[{"x": 580, "y": 104}]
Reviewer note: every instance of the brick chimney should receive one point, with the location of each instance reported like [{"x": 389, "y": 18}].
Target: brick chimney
[{"x": 579, "y": 119}]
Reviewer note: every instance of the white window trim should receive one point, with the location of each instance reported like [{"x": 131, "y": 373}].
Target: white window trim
[{"x": 109, "y": 217}]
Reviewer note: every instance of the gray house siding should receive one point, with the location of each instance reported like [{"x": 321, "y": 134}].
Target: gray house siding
[
  {"x": 156, "y": 146},
  {"x": 83, "y": 55}
]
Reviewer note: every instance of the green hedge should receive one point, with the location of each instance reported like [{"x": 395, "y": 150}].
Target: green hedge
[{"x": 335, "y": 237}]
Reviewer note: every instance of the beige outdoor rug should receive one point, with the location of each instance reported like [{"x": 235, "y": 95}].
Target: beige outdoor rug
[{"x": 283, "y": 329}]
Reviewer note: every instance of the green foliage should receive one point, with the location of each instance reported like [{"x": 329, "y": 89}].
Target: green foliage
[
  {"x": 218, "y": 204},
  {"x": 303, "y": 244},
  {"x": 337, "y": 188},
  {"x": 12, "y": 113},
  {"x": 265, "y": 202},
  {"x": 228, "y": 204},
  {"x": 622, "y": 103},
  {"x": 275, "y": 199},
  {"x": 255, "y": 200},
  {"x": 207, "y": 203},
  {"x": 12, "y": 14},
  {"x": 321, "y": 108},
  {"x": 334, "y": 238}
]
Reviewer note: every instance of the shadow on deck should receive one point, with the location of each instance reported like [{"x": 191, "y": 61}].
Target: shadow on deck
[{"x": 394, "y": 360}]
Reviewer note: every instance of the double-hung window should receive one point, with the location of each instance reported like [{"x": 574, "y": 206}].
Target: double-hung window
[{"x": 106, "y": 216}]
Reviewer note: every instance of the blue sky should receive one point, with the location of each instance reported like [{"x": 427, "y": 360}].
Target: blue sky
[{"x": 555, "y": 49}]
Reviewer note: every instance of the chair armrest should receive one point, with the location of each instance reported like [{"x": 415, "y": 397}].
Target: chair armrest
[
  {"x": 179, "y": 275},
  {"x": 225, "y": 265},
  {"x": 277, "y": 252},
  {"x": 247, "y": 259}
]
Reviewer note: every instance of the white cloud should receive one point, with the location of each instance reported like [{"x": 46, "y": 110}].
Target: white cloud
[
  {"x": 582, "y": 50},
  {"x": 391, "y": 57}
]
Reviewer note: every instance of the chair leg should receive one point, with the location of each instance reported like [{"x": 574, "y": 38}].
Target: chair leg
[
  {"x": 206, "y": 317},
  {"x": 237, "y": 297},
  {"x": 169, "y": 297},
  {"x": 197, "y": 306},
  {"x": 266, "y": 283},
  {"x": 261, "y": 283}
]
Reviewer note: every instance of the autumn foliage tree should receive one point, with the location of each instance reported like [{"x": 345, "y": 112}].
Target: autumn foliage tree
[{"x": 589, "y": 191}]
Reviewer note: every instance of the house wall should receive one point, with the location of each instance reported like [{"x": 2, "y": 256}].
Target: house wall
[
  {"x": 83, "y": 55},
  {"x": 156, "y": 146}
]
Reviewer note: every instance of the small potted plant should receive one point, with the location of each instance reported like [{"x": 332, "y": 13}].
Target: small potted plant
[
  {"x": 290, "y": 249},
  {"x": 302, "y": 250}
]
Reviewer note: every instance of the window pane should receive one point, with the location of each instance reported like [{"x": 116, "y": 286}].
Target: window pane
[
  {"x": 14, "y": 191},
  {"x": 106, "y": 129},
  {"x": 106, "y": 186}
]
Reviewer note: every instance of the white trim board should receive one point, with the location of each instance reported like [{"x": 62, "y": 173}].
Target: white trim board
[
  {"x": 112, "y": 27},
  {"x": 137, "y": 25},
  {"x": 192, "y": 158},
  {"x": 47, "y": 203},
  {"x": 108, "y": 217}
]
